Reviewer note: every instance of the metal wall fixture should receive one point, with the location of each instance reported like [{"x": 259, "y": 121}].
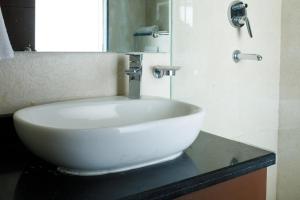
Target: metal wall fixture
[
  {"x": 135, "y": 75},
  {"x": 161, "y": 71},
  {"x": 238, "y": 56},
  {"x": 237, "y": 14}
]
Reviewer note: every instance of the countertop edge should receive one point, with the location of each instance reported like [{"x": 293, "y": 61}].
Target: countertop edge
[
  {"x": 197, "y": 183},
  {"x": 170, "y": 191}
]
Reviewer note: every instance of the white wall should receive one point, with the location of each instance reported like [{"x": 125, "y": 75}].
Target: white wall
[
  {"x": 289, "y": 127},
  {"x": 35, "y": 78},
  {"x": 242, "y": 99}
]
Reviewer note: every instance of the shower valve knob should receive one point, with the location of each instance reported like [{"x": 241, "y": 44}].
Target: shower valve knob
[{"x": 237, "y": 15}]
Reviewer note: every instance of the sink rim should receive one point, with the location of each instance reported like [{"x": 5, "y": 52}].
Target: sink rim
[{"x": 194, "y": 111}]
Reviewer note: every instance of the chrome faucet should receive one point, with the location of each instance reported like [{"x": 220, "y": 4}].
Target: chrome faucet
[
  {"x": 135, "y": 75},
  {"x": 238, "y": 56}
]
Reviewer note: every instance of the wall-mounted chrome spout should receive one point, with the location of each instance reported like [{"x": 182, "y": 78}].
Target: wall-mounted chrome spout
[
  {"x": 238, "y": 56},
  {"x": 135, "y": 75},
  {"x": 238, "y": 16},
  {"x": 161, "y": 71}
]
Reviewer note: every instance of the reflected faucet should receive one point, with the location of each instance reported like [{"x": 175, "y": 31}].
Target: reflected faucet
[{"x": 135, "y": 75}]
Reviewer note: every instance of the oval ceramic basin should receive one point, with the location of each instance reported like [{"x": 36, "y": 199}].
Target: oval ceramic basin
[{"x": 107, "y": 135}]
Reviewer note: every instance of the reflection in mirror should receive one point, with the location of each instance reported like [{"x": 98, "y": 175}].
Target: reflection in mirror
[
  {"x": 139, "y": 25},
  {"x": 88, "y": 26}
]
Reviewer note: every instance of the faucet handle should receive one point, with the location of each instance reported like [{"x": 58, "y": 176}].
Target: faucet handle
[
  {"x": 241, "y": 21},
  {"x": 246, "y": 19},
  {"x": 238, "y": 16}
]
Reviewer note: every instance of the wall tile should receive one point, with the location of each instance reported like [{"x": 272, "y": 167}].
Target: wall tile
[
  {"x": 241, "y": 100},
  {"x": 36, "y": 78}
]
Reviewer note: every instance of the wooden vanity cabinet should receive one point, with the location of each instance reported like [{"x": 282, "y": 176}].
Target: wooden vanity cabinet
[{"x": 248, "y": 187}]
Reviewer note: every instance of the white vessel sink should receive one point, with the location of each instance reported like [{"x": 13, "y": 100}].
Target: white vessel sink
[{"x": 107, "y": 135}]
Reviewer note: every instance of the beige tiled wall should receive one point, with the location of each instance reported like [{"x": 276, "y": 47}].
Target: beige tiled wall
[
  {"x": 35, "y": 78},
  {"x": 241, "y": 100},
  {"x": 289, "y": 126}
]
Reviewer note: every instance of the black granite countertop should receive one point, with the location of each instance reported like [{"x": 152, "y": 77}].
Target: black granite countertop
[{"x": 209, "y": 161}]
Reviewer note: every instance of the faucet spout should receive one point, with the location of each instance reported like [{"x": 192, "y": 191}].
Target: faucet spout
[{"x": 135, "y": 75}]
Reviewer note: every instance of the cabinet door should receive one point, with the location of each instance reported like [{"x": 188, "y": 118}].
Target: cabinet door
[{"x": 248, "y": 187}]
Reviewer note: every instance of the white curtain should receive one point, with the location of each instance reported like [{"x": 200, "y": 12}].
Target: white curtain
[{"x": 6, "y": 50}]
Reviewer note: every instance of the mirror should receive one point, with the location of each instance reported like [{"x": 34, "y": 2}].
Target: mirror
[{"x": 88, "y": 25}]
